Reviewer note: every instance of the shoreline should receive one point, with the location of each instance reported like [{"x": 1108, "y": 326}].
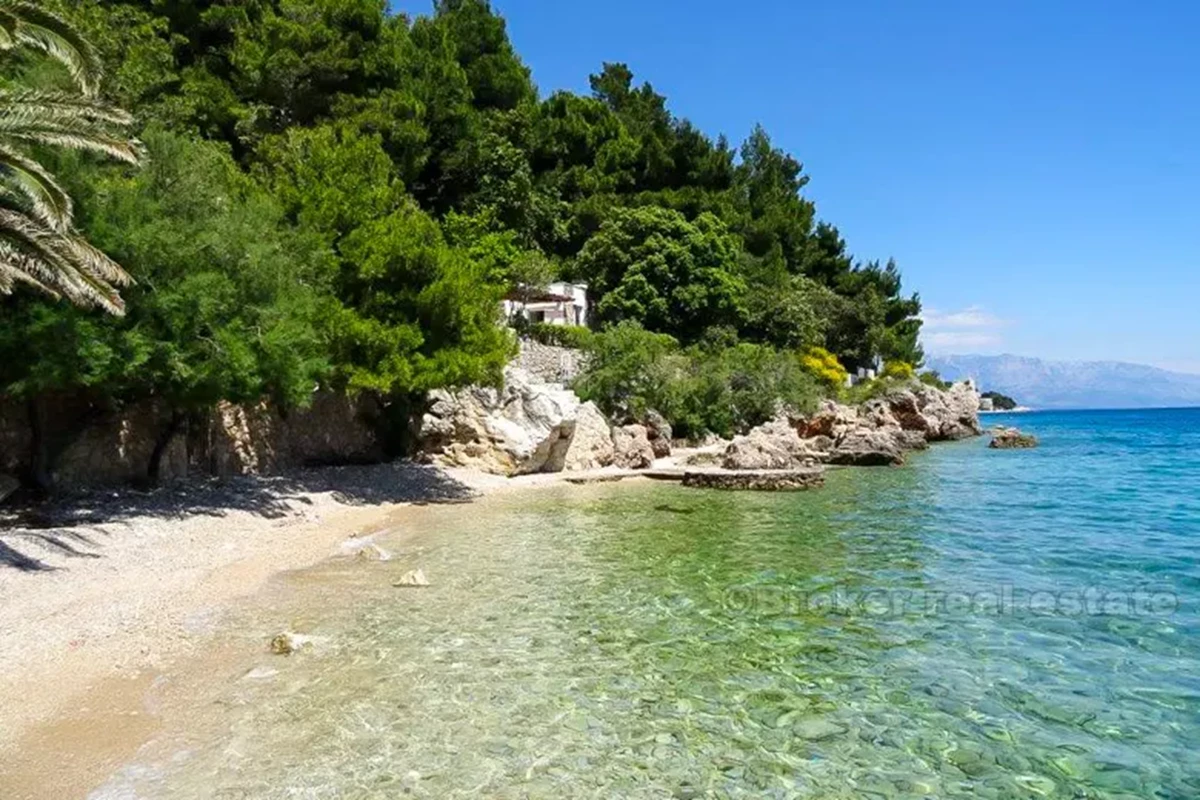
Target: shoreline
[
  {"x": 131, "y": 587},
  {"x": 145, "y": 579}
]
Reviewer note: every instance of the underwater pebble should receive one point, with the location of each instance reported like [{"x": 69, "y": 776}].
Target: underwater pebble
[
  {"x": 412, "y": 578},
  {"x": 817, "y": 729}
]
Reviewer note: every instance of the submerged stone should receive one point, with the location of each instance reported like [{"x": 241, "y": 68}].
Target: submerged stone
[
  {"x": 412, "y": 578},
  {"x": 816, "y": 729},
  {"x": 286, "y": 643}
]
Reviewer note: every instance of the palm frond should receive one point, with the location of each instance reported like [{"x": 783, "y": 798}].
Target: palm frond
[
  {"x": 48, "y": 201},
  {"x": 37, "y": 27},
  {"x": 8, "y": 31},
  {"x": 55, "y": 119},
  {"x": 60, "y": 105},
  {"x": 61, "y": 262},
  {"x": 127, "y": 150},
  {"x": 38, "y": 245},
  {"x": 92, "y": 261},
  {"x": 16, "y": 267}
]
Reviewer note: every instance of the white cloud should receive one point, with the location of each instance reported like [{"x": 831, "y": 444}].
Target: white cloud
[
  {"x": 969, "y": 317},
  {"x": 949, "y": 340},
  {"x": 969, "y": 329}
]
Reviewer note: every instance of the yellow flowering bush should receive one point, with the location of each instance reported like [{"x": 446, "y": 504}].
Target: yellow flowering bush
[
  {"x": 900, "y": 370},
  {"x": 824, "y": 366}
]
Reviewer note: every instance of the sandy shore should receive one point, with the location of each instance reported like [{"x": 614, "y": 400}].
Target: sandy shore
[{"x": 121, "y": 585}]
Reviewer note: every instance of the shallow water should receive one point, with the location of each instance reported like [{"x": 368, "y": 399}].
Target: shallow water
[{"x": 976, "y": 624}]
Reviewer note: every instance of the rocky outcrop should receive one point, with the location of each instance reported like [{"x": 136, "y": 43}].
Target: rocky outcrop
[
  {"x": 867, "y": 435},
  {"x": 878, "y": 432},
  {"x": 632, "y": 447},
  {"x": 939, "y": 415},
  {"x": 525, "y": 426},
  {"x": 1012, "y": 439},
  {"x": 868, "y": 448},
  {"x": 513, "y": 430},
  {"x": 756, "y": 480},
  {"x": 774, "y": 445},
  {"x": 590, "y": 445}
]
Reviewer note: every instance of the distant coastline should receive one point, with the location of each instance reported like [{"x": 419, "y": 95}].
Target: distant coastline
[{"x": 1047, "y": 385}]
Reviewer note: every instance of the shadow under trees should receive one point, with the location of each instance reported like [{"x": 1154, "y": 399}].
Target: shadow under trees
[{"x": 67, "y": 526}]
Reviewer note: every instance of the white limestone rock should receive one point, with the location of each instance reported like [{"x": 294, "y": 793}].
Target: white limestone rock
[
  {"x": 632, "y": 447},
  {"x": 526, "y": 426}
]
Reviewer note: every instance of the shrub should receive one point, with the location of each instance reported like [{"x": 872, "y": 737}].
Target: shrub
[
  {"x": 725, "y": 390},
  {"x": 824, "y": 366},
  {"x": 900, "y": 370},
  {"x": 863, "y": 391},
  {"x": 574, "y": 336},
  {"x": 627, "y": 371},
  {"x": 760, "y": 380},
  {"x": 932, "y": 378}
]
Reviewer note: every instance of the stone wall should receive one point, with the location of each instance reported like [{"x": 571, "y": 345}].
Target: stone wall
[
  {"x": 549, "y": 363},
  {"x": 258, "y": 439},
  {"x": 114, "y": 448}
]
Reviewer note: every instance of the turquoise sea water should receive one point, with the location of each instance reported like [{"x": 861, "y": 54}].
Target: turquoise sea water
[{"x": 977, "y": 624}]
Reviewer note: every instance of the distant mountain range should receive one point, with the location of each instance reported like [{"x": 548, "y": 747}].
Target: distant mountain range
[{"x": 1073, "y": 384}]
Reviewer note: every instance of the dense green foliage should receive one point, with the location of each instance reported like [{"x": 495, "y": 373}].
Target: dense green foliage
[
  {"x": 711, "y": 386},
  {"x": 342, "y": 196},
  {"x": 652, "y": 266}
]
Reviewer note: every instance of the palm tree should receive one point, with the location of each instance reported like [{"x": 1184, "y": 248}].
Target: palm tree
[{"x": 39, "y": 245}]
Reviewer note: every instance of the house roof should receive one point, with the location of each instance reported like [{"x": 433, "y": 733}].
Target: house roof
[{"x": 538, "y": 297}]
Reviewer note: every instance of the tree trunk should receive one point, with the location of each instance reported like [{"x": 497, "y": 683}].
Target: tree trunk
[{"x": 154, "y": 468}]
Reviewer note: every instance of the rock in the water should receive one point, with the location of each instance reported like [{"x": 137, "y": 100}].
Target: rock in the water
[
  {"x": 658, "y": 431},
  {"x": 772, "y": 445},
  {"x": 771, "y": 480},
  {"x": 1012, "y": 439},
  {"x": 632, "y": 448},
  {"x": 412, "y": 579},
  {"x": 286, "y": 643},
  {"x": 815, "y": 729},
  {"x": 524, "y": 427},
  {"x": 372, "y": 552}
]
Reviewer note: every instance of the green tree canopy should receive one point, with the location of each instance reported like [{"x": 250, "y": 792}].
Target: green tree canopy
[{"x": 651, "y": 265}]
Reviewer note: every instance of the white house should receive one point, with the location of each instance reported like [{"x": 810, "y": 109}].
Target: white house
[{"x": 560, "y": 303}]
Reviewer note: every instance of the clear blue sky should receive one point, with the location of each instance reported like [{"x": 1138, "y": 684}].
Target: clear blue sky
[{"x": 1033, "y": 165}]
